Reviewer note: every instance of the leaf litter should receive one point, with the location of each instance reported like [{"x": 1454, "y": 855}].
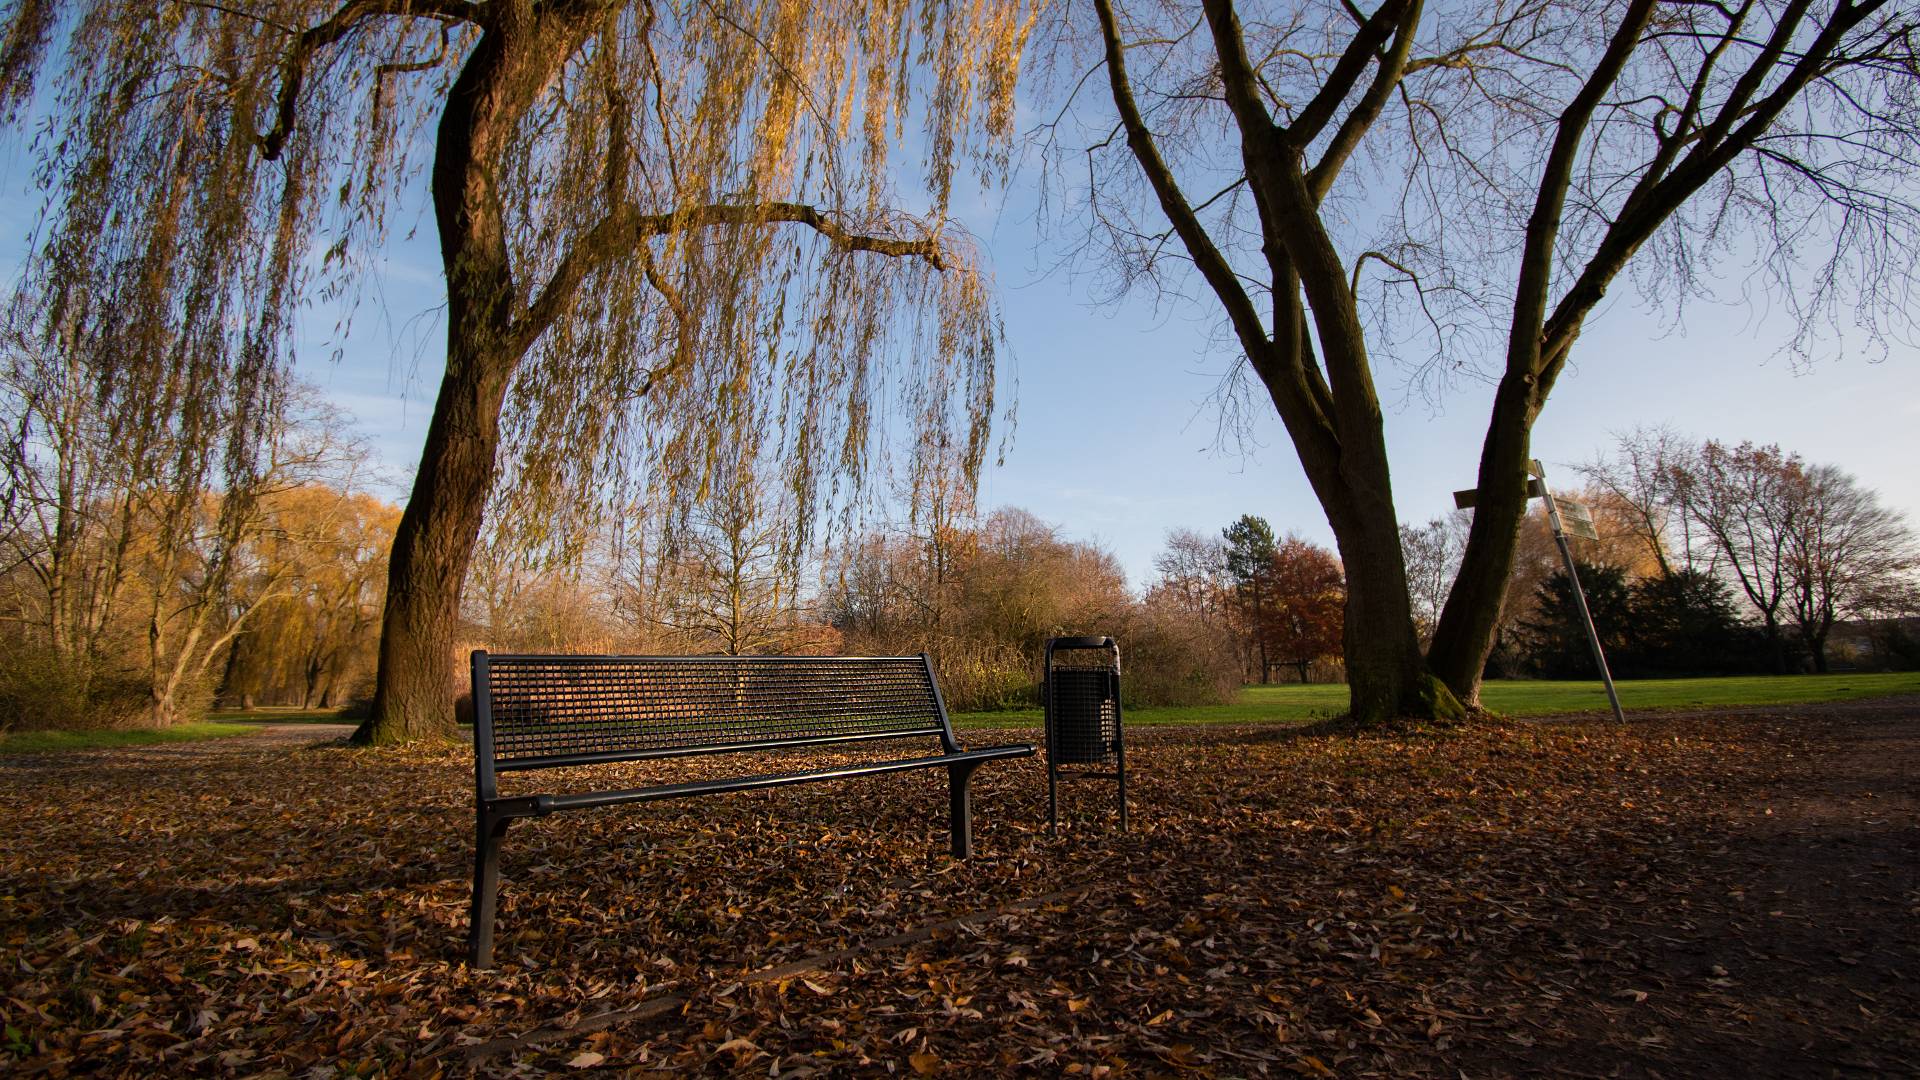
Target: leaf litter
[{"x": 1499, "y": 899}]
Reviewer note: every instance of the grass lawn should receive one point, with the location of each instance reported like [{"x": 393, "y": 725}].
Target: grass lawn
[
  {"x": 40, "y": 742},
  {"x": 1296, "y": 704}
]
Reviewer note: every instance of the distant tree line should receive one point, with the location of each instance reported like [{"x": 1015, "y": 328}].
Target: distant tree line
[
  {"x": 1280, "y": 601},
  {"x": 980, "y": 597},
  {"x": 146, "y": 566},
  {"x": 1712, "y": 559}
]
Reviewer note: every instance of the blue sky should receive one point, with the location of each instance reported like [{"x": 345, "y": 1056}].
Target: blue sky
[{"x": 1122, "y": 391}]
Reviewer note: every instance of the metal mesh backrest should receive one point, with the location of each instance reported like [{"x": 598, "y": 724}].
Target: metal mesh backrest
[
  {"x": 546, "y": 707},
  {"x": 1084, "y": 715}
]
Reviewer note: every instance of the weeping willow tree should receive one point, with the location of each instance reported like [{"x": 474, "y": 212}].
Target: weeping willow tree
[{"x": 643, "y": 210}]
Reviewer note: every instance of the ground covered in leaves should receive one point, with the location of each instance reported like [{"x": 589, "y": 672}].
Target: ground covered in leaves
[{"x": 1687, "y": 895}]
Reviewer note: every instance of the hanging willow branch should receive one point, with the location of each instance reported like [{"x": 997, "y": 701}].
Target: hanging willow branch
[{"x": 655, "y": 181}]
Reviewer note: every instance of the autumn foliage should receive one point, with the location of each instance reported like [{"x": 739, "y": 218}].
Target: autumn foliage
[{"x": 1499, "y": 900}]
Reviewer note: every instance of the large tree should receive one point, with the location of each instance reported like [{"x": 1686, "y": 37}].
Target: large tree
[
  {"x": 1309, "y": 598},
  {"x": 1846, "y": 555},
  {"x": 1337, "y": 175},
  {"x": 1250, "y": 552},
  {"x": 620, "y": 191}
]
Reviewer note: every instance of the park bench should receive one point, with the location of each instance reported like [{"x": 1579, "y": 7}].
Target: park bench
[{"x": 552, "y": 712}]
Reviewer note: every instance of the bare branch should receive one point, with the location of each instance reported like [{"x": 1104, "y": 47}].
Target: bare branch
[{"x": 338, "y": 25}]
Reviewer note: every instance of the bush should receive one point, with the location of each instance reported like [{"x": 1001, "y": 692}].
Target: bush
[
  {"x": 40, "y": 691},
  {"x": 977, "y": 676},
  {"x": 1170, "y": 657}
]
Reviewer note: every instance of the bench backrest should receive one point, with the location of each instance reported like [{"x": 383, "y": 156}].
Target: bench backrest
[{"x": 537, "y": 712}]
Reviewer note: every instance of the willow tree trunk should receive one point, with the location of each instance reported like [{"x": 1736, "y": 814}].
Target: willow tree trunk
[
  {"x": 433, "y": 544},
  {"x": 413, "y": 697}
]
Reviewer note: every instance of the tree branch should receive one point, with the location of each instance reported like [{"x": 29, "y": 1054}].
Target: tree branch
[
  {"x": 338, "y": 25},
  {"x": 1738, "y": 127},
  {"x": 1543, "y": 225},
  {"x": 1345, "y": 75},
  {"x": 1208, "y": 258},
  {"x": 624, "y": 229},
  {"x": 1393, "y": 67}
]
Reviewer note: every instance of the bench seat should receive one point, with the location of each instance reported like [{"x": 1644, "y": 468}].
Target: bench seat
[{"x": 553, "y": 712}]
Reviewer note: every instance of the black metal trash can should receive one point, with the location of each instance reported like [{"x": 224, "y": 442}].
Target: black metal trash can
[{"x": 1082, "y": 695}]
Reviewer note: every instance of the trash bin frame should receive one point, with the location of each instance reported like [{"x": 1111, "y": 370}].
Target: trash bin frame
[{"x": 1055, "y": 774}]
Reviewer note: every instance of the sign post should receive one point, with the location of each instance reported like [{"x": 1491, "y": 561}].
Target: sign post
[{"x": 1566, "y": 515}]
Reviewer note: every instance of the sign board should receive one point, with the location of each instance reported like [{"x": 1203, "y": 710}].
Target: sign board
[
  {"x": 1463, "y": 500},
  {"x": 1576, "y": 518}
]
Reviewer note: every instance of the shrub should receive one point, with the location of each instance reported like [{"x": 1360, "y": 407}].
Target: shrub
[
  {"x": 1169, "y": 656},
  {"x": 41, "y": 691}
]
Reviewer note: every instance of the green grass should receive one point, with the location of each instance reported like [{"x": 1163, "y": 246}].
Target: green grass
[
  {"x": 1304, "y": 704},
  {"x": 40, "y": 742}
]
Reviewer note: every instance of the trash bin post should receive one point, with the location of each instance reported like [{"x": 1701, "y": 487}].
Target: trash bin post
[{"x": 1081, "y": 693}]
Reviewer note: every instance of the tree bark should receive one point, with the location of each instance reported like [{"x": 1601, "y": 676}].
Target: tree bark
[
  {"x": 433, "y": 544},
  {"x": 1386, "y": 676},
  {"x": 1466, "y": 632},
  {"x": 1776, "y": 643}
]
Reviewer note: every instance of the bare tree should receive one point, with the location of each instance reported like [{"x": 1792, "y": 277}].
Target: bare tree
[
  {"x": 1846, "y": 554},
  {"x": 1433, "y": 553},
  {"x": 1528, "y": 154},
  {"x": 1193, "y": 574},
  {"x": 616, "y": 186},
  {"x": 1748, "y": 499},
  {"x": 727, "y": 584},
  {"x": 1644, "y": 479}
]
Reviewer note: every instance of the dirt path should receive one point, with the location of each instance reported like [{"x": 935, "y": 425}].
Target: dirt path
[
  {"x": 1794, "y": 950},
  {"x": 297, "y": 735}
]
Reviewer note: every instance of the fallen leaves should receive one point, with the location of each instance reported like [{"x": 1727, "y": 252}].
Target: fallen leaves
[{"x": 1286, "y": 904}]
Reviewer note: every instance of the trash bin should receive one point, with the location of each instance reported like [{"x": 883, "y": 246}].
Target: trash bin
[{"x": 1083, "y": 720}]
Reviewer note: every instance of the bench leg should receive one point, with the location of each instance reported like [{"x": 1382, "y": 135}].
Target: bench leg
[
  {"x": 960, "y": 804},
  {"x": 486, "y": 888}
]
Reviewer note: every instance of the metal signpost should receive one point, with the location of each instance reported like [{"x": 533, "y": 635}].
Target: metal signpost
[{"x": 1566, "y": 516}]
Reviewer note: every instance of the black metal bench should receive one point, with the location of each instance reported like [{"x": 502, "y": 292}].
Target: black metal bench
[{"x": 548, "y": 712}]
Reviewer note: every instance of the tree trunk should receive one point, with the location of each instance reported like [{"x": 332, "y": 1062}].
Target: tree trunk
[
  {"x": 1385, "y": 675},
  {"x": 433, "y": 545},
  {"x": 1776, "y": 643},
  {"x": 231, "y": 668},
  {"x": 1464, "y": 637}
]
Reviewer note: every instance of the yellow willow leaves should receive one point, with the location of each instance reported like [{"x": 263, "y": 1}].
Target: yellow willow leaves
[{"x": 273, "y": 129}]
